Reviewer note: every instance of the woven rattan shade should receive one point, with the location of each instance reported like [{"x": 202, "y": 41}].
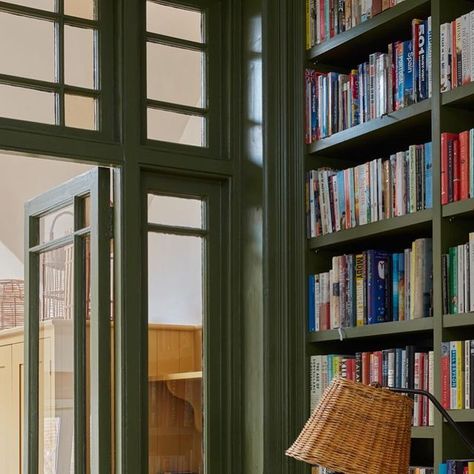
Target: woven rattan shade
[{"x": 357, "y": 429}]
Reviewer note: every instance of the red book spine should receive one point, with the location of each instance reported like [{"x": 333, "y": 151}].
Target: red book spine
[
  {"x": 379, "y": 357},
  {"x": 445, "y": 382},
  {"x": 456, "y": 172},
  {"x": 322, "y": 22},
  {"x": 464, "y": 163},
  {"x": 347, "y": 203},
  {"x": 376, "y": 7},
  {"x": 445, "y": 138},
  {"x": 332, "y": 13},
  {"x": 366, "y": 368}
]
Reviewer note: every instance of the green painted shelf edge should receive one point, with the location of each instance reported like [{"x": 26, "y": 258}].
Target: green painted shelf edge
[
  {"x": 458, "y": 320},
  {"x": 459, "y": 96},
  {"x": 465, "y": 416},
  {"x": 458, "y": 208},
  {"x": 369, "y": 30},
  {"x": 396, "y": 122},
  {"x": 422, "y": 432},
  {"x": 374, "y": 330},
  {"x": 385, "y": 227}
]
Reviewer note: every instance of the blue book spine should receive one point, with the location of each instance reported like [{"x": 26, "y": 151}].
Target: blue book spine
[
  {"x": 428, "y": 176},
  {"x": 341, "y": 199},
  {"x": 311, "y": 308},
  {"x": 378, "y": 275},
  {"x": 401, "y": 285},
  {"x": 352, "y": 197},
  {"x": 399, "y": 361},
  {"x": 395, "y": 279},
  {"x": 408, "y": 69},
  {"x": 351, "y": 307},
  {"x": 443, "y": 468},
  {"x": 422, "y": 63},
  {"x": 399, "y": 75}
]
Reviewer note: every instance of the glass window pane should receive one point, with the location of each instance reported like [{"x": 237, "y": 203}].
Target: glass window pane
[
  {"x": 49, "y": 5},
  {"x": 79, "y": 55},
  {"x": 27, "y": 47},
  {"x": 80, "y": 111},
  {"x": 56, "y": 361},
  {"x": 175, "y": 75},
  {"x": 175, "y": 211},
  {"x": 175, "y": 22},
  {"x": 27, "y": 104},
  {"x": 175, "y": 321},
  {"x": 56, "y": 224},
  {"x": 80, "y": 8},
  {"x": 176, "y": 128}
]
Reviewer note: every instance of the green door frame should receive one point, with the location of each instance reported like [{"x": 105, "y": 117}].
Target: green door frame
[{"x": 96, "y": 185}]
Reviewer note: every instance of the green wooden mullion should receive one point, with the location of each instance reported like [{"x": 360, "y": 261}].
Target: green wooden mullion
[
  {"x": 53, "y": 244},
  {"x": 184, "y": 109},
  {"x": 80, "y": 400},
  {"x": 100, "y": 325},
  {"x": 31, "y": 350},
  {"x": 175, "y": 42},
  {"x": 176, "y": 230},
  {"x": 30, "y": 83},
  {"x": 32, "y": 12},
  {"x": 60, "y": 60}
]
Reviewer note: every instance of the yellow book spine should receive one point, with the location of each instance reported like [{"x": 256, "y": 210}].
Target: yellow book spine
[
  {"x": 470, "y": 467},
  {"x": 460, "y": 374},
  {"x": 336, "y": 366}
]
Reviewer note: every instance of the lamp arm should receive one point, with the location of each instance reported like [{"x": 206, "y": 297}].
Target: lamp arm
[{"x": 441, "y": 409}]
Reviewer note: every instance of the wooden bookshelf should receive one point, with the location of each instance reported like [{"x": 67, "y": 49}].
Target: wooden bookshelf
[
  {"x": 406, "y": 126},
  {"x": 374, "y": 330},
  {"x": 397, "y": 225},
  {"x": 447, "y": 225},
  {"x": 458, "y": 208},
  {"x": 385, "y": 27}
]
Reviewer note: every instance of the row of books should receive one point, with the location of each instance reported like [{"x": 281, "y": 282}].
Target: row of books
[
  {"x": 370, "y": 192},
  {"x": 327, "y": 18},
  {"x": 403, "y": 368},
  {"x": 457, "y": 374},
  {"x": 372, "y": 287},
  {"x": 412, "y": 470},
  {"x": 457, "y": 52},
  {"x": 385, "y": 83},
  {"x": 457, "y": 466},
  {"x": 457, "y": 166},
  {"x": 458, "y": 278}
]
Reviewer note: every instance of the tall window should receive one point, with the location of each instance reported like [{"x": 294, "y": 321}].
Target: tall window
[
  {"x": 177, "y": 102},
  {"x": 49, "y": 70},
  {"x": 177, "y": 241}
]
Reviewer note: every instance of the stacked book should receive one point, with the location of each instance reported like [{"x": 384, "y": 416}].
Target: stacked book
[
  {"x": 457, "y": 166},
  {"x": 385, "y": 83},
  {"x": 403, "y": 368},
  {"x": 458, "y": 278},
  {"x": 457, "y": 377},
  {"x": 457, "y": 52},
  {"x": 370, "y": 192},
  {"x": 457, "y": 466},
  {"x": 372, "y": 287},
  {"x": 327, "y": 18},
  {"x": 412, "y": 470}
]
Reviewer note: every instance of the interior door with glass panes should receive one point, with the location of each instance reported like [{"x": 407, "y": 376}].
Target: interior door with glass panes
[
  {"x": 184, "y": 324},
  {"x": 68, "y": 325}
]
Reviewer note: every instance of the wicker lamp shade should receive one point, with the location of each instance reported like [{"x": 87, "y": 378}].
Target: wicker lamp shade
[{"x": 357, "y": 429}]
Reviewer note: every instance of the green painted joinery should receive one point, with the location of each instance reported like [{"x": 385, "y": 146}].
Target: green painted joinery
[{"x": 219, "y": 171}]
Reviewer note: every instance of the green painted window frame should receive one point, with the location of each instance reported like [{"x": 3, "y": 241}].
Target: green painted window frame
[
  {"x": 104, "y": 91},
  {"x": 216, "y": 316},
  {"x": 213, "y": 80},
  {"x": 96, "y": 184}
]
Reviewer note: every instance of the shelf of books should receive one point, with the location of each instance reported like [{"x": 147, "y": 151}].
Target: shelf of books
[{"x": 389, "y": 92}]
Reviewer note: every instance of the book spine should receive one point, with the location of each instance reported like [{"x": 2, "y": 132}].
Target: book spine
[
  {"x": 311, "y": 300},
  {"x": 430, "y": 387},
  {"x": 428, "y": 176},
  {"x": 445, "y": 376},
  {"x": 395, "y": 282},
  {"x": 459, "y": 375},
  {"x": 453, "y": 375},
  {"x": 445, "y": 57},
  {"x": 467, "y": 374},
  {"x": 464, "y": 164}
]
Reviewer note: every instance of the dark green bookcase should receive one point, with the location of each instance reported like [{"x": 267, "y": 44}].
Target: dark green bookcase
[{"x": 447, "y": 225}]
